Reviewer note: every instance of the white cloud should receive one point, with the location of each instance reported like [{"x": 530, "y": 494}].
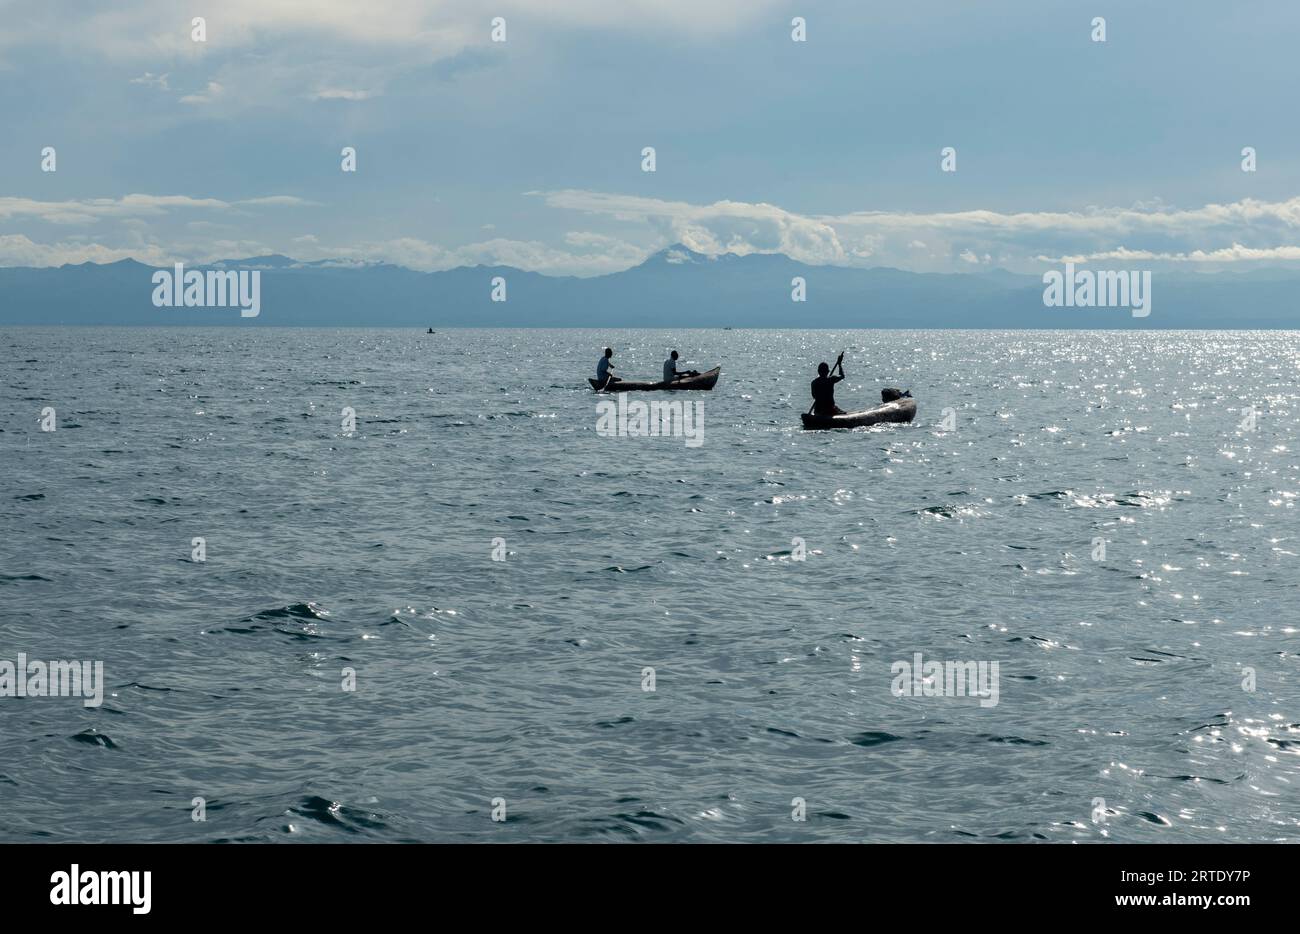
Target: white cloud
[
  {"x": 594, "y": 254},
  {"x": 721, "y": 227},
  {"x": 210, "y": 94},
  {"x": 603, "y": 254},
  {"x": 1019, "y": 240},
  {"x": 92, "y": 210},
  {"x": 152, "y": 80},
  {"x": 341, "y": 94},
  {"x": 1233, "y": 254},
  {"x": 18, "y": 250},
  {"x": 276, "y": 50},
  {"x": 133, "y": 220},
  {"x": 273, "y": 53},
  {"x": 279, "y": 201},
  {"x": 225, "y": 249},
  {"x": 962, "y": 240},
  {"x": 149, "y": 29}
]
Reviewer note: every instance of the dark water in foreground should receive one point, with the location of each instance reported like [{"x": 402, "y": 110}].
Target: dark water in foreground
[{"x": 1120, "y": 679}]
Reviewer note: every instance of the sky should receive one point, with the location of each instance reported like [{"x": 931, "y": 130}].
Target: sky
[{"x": 1125, "y": 153}]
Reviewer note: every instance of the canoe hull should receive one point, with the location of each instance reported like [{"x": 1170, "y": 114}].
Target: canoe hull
[
  {"x": 900, "y": 410},
  {"x": 704, "y": 381}
]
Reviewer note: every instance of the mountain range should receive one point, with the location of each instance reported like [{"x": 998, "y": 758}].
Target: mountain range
[{"x": 675, "y": 287}]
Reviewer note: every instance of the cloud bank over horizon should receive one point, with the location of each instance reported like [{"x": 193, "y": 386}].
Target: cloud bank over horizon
[{"x": 1250, "y": 231}]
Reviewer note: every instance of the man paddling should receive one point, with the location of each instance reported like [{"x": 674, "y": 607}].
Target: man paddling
[
  {"x": 670, "y": 369},
  {"x": 604, "y": 370},
  {"x": 823, "y": 387}
]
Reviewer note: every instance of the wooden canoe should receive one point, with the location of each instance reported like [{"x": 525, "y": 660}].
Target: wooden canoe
[
  {"x": 703, "y": 381},
  {"x": 900, "y": 410}
]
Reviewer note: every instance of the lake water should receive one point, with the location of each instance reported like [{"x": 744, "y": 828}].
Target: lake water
[{"x": 1123, "y": 710}]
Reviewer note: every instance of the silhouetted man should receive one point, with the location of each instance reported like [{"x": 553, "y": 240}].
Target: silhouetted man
[
  {"x": 823, "y": 388},
  {"x": 670, "y": 369},
  {"x": 604, "y": 367}
]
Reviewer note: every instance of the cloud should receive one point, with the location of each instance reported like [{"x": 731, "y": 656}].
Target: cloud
[
  {"x": 721, "y": 227},
  {"x": 594, "y": 254},
  {"x": 209, "y": 95},
  {"x": 1249, "y": 231},
  {"x": 1020, "y": 240},
  {"x": 280, "y": 201},
  {"x": 1233, "y": 254},
  {"x": 273, "y": 53},
  {"x": 92, "y": 210},
  {"x": 283, "y": 46},
  {"x": 148, "y": 29},
  {"x": 342, "y": 94},
  {"x": 127, "y": 227},
  {"x": 152, "y": 80},
  {"x": 1096, "y": 220},
  {"x": 18, "y": 250}
]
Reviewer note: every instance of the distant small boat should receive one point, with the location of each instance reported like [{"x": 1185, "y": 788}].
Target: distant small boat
[
  {"x": 703, "y": 381},
  {"x": 900, "y": 410},
  {"x": 432, "y": 331}
]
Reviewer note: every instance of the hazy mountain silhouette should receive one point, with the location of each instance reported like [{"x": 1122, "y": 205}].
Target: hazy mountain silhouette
[{"x": 675, "y": 287}]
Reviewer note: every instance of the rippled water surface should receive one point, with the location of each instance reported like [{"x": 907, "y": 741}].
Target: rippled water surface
[{"x": 968, "y": 535}]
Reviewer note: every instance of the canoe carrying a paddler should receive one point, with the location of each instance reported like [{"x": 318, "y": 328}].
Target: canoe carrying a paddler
[
  {"x": 674, "y": 379},
  {"x": 899, "y": 406}
]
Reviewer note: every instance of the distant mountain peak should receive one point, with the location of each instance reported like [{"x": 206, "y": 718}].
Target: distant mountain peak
[
  {"x": 271, "y": 261},
  {"x": 681, "y": 255},
  {"x": 91, "y": 264},
  {"x": 677, "y": 255}
]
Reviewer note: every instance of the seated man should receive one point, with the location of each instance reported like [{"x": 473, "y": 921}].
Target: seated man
[
  {"x": 823, "y": 388},
  {"x": 670, "y": 369},
  {"x": 604, "y": 368}
]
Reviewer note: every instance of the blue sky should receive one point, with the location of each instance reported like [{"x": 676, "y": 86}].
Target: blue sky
[{"x": 1125, "y": 153}]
